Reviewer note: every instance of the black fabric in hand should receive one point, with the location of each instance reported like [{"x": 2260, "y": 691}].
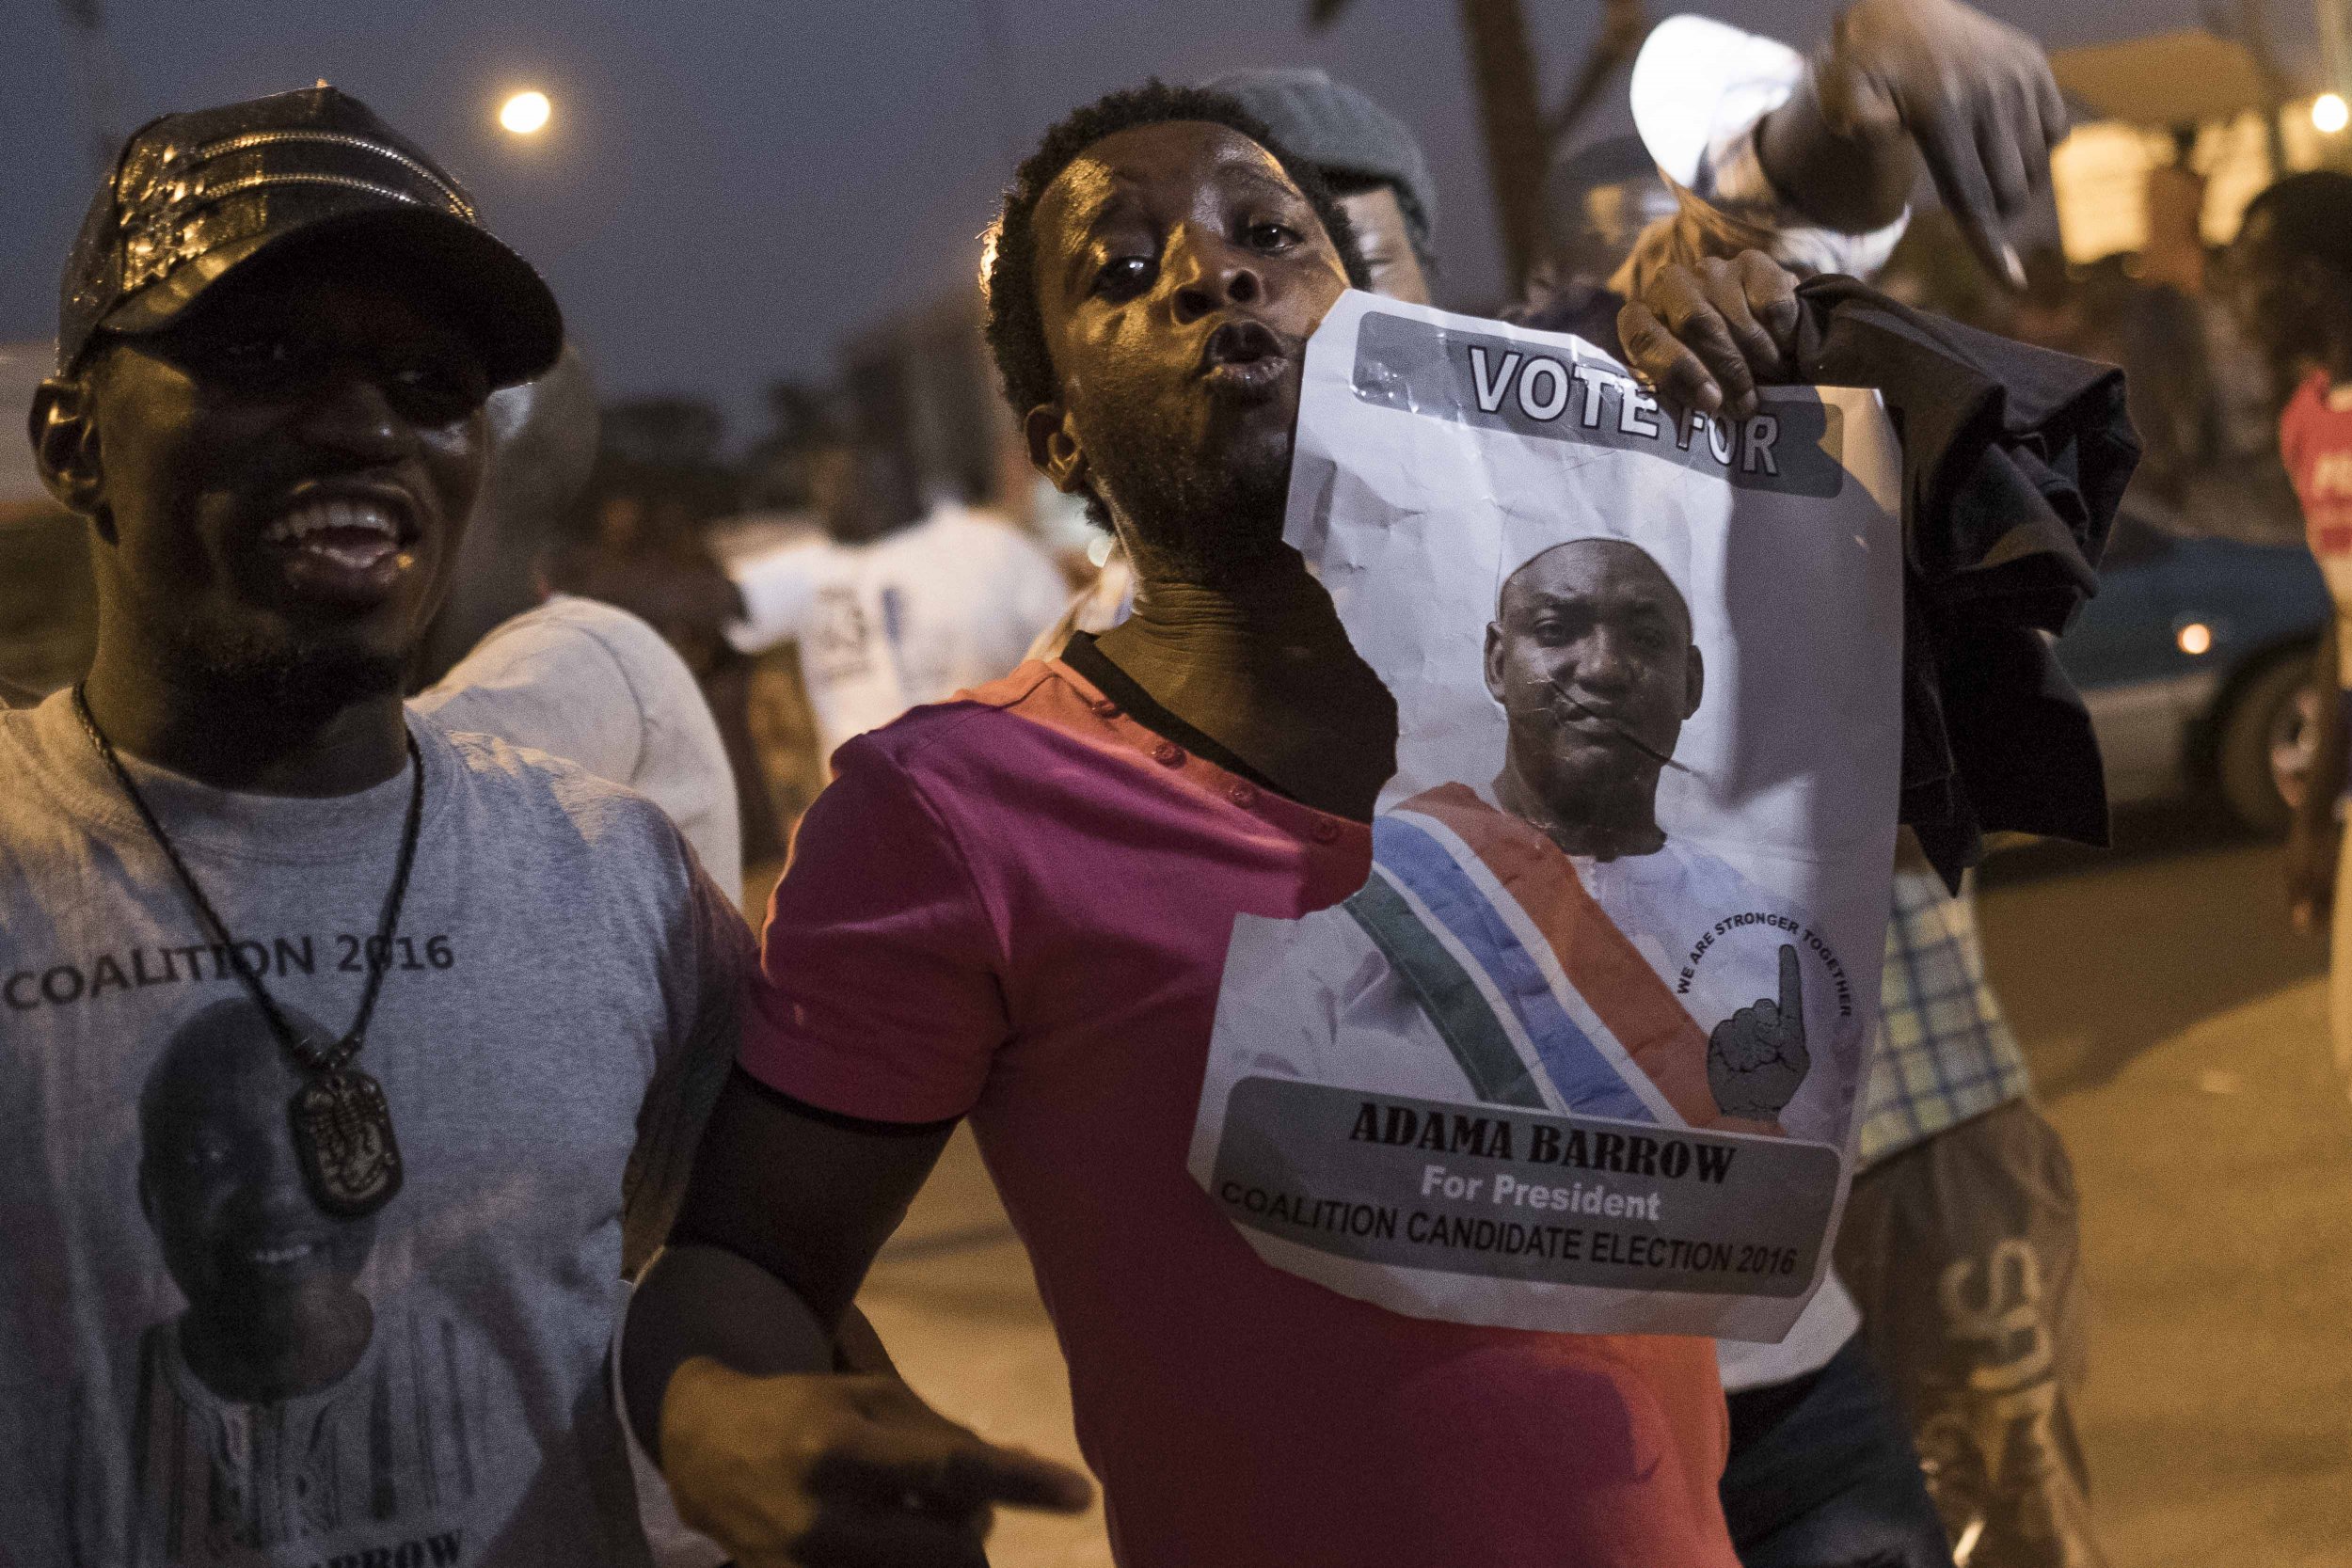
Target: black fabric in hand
[{"x": 2014, "y": 460}]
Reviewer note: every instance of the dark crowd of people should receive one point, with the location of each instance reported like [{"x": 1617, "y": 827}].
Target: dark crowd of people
[{"x": 382, "y": 1037}]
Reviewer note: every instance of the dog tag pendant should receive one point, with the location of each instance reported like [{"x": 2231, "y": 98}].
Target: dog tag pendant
[{"x": 342, "y": 1132}]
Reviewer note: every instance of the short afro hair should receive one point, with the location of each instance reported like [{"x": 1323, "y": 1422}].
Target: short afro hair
[
  {"x": 1016, "y": 329},
  {"x": 2311, "y": 214}
]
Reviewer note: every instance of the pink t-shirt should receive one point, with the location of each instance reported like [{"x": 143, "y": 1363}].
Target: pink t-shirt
[
  {"x": 2315, "y": 443},
  {"x": 1016, "y": 907}
]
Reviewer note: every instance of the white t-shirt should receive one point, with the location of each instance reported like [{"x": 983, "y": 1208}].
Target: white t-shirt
[
  {"x": 421, "y": 1384},
  {"x": 1661, "y": 902},
  {"x": 914, "y": 617},
  {"x": 596, "y": 686}
]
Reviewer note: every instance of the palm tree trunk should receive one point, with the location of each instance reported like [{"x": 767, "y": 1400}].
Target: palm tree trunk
[{"x": 1503, "y": 63}]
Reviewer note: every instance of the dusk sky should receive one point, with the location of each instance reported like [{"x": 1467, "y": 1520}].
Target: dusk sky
[{"x": 731, "y": 187}]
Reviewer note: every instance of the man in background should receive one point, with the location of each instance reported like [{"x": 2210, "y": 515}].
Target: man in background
[
  {"x": 2291, "y": 276},
  {"x": 573, "y": 678},
  {"x": 894, "y": 607},
  {"x": 1374, "y": 165},
  {"x": 646, "y": 551},
  {"x": 1963, "y": 1191}
]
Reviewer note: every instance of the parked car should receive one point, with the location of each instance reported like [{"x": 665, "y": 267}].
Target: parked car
[{"x": 2194, "y": 660}]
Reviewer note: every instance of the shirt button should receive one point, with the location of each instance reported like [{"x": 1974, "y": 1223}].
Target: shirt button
[
  {"x": 1327, "y": 831},
  {"x": 1168, "y": 754},
  {"x": 1105, "y": 709},
  {"x": 1241, "y": 794}
]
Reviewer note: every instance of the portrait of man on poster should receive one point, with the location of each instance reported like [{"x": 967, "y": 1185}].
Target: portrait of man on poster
[{"x": 1532, "y": 942}]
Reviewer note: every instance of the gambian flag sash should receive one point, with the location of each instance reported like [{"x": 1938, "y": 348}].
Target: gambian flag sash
[{"x": 1520, "y": 969}]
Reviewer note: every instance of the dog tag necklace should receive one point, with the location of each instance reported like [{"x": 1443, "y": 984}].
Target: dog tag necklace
[{"x": 342, "y": 1128}]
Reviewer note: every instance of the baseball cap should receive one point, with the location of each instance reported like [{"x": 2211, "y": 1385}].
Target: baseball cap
[
  {"x": 1697, "y": 80},
  {"x": 193, "y": 198},
  {"x": 1341, "y": 131}
]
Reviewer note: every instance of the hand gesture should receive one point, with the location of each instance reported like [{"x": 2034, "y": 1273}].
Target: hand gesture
[
  {"x": 1755, "y": 1058},
  {"x": 834, "y": 1471},
  {"x": 1705, "y": 336},
  {"x": 1975, "y": 96}
]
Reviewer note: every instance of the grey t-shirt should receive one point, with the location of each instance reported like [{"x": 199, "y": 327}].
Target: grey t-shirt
[
  {"x": 197, "y": 1365},
  {"x": 595, "y": 685}
]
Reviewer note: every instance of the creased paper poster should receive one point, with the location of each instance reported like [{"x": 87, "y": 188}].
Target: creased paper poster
[{"x": 1585, "y": 1052}]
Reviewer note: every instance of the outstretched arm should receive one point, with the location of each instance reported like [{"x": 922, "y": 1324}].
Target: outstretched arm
[
  {"x": 1902, "y": 81},
  {"x": 730, "y": 1359}
]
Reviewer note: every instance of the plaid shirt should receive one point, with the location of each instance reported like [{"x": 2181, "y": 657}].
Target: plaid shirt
[{"x": 1945, "y": 1054}]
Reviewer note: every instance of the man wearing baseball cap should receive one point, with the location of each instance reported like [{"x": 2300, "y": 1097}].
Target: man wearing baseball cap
[
  {"x": 488, "y": 994},
  {"x": 1373, "y": 164}
]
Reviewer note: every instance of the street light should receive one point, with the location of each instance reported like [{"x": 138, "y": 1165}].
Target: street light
[
  {"x": 2330, "y": 113},
  {"x": 526, "y": 113}
]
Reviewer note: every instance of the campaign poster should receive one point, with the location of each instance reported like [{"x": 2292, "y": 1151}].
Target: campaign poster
[{"x": 1584, "y": 1053}]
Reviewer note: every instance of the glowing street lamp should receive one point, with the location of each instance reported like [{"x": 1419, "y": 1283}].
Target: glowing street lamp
[
  {"x": 2330, "y": 113},
  {"x": 526, "y": 113}
]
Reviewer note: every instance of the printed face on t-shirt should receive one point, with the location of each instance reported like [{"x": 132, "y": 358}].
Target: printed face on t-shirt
[
  {"x": 1589, "y": 654},
  {"x": 269, "y": 1276}
]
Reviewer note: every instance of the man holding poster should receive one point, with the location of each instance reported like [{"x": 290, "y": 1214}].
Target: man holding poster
[
  {"x": 1647, "y": 750},
  {"x": 1018, "y": 906}
]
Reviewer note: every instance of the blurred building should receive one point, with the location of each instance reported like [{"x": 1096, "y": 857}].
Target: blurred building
[
  {"x": 2191, "y": 101},
  {"x": 48, "y": 613},
  {"x": 927, "y": 371},
  {"x": 2173, "y": 135}
]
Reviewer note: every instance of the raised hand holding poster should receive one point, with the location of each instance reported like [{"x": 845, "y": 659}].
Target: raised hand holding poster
[{"x": 1584, "y": 1053}]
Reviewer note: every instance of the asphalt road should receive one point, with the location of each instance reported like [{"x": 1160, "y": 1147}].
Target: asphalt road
[
  {"x": 2177, "y": 1031},
  {"x": 2101, "y": 955}
]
